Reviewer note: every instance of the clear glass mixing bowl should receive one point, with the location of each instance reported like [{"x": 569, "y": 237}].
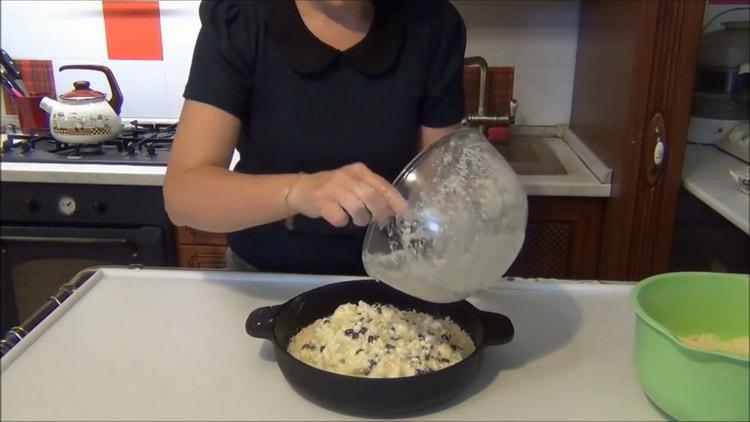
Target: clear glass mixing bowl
[{"x": 463, "y": 226}]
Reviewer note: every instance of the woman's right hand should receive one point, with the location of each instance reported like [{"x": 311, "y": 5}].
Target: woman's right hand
[{"x": 350, "y": 191}]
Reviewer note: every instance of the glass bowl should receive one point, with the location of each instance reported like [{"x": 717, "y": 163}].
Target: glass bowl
[{"x": 463, "y": 226}]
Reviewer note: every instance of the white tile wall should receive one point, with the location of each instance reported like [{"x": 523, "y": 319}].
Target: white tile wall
[
  {"x": 537, "y": 37},
  {"x": 176, "y": 73},
  {"x": 179, "y": 28}
]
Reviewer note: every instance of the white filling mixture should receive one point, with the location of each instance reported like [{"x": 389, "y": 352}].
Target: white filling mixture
[{"x": 380, "y": 341}]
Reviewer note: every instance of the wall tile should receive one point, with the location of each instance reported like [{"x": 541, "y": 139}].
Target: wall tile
[
  {"x": 79, "y": 33},
  {"x": 176, "y": 76},
  {"x": 540, "y": 39},
  {"x": 22, "y": 29},
  {"x": 544, "y": 94},
  {"x": 179, "y": 28}
]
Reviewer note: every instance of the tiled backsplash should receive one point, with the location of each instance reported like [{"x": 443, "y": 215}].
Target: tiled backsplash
[{"x": 538, "y": 38}]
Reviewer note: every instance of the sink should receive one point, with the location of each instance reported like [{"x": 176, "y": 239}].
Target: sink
[{"x": 530, "y": 155}]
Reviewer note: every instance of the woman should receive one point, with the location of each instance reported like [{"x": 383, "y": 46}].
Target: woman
[{"x": 325, "y": 101}]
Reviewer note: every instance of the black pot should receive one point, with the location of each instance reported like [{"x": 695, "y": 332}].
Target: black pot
[{"x": 382, "y": 397}]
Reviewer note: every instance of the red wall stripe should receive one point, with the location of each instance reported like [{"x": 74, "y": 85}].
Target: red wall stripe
[{"x": 133, "y": 29}]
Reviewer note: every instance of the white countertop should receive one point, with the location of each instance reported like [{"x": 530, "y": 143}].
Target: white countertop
[
  {"x": 171, "y": 344},
  {"x": 579, "y": 180},
  {"x": 705, "y": 174}
]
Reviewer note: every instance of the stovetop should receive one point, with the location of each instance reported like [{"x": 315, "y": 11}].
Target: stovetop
[{"x": 138, "y": 144}]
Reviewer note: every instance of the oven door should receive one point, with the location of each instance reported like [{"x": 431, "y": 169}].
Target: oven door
[{"x": 37, "y": 260}]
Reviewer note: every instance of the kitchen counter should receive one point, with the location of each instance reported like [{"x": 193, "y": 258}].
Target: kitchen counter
[
  {"x": 170, "y": 344},
  {"x": 581, "y": 176},
  {"x": 705, "y": 174}
]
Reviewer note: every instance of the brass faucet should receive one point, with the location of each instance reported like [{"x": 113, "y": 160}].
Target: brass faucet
[{"x": 481, "y": 119}]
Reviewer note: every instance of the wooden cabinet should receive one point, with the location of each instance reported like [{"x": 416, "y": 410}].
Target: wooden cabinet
[
  {"x": 633, "y": 82},
  {"x": 198, "y": 249},
  {"x": 562, "y": 238}
]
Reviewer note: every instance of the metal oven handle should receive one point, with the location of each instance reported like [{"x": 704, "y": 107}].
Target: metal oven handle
[
  {"x": 52, "y": 239},
  {"x": 73, "y": 241}
]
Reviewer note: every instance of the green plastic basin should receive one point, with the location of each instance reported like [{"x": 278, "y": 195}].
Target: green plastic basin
[{"x": 689, "y": 383}]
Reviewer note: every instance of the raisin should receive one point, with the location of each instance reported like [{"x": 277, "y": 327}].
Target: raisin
[
  {"x": 372, "y": 338},
  {"x": 359, "y": 351},
  {"x": 363, "y": 330},
  {"x": 420, "y": 336},
  {"x": 423, "y": 371},
  {"x": 454, "y": 347},
  {"x": 389, "y": 346},
  {"x": 443, "y": 360},
  {"x": 445, "y": 337},
  {"x": 308, "y": 346},
  {"x": 322, "y": 348},
  {"x": 342, "y": 360}
]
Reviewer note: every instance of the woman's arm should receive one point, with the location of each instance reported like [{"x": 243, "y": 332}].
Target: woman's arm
[{"x": 200, "y": 191}]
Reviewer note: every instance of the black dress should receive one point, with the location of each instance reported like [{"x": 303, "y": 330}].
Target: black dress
[{"x": 307, "y": 107}]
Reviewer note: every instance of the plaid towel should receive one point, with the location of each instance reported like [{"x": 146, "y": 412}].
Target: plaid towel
[{"x": 38, "y": 77}]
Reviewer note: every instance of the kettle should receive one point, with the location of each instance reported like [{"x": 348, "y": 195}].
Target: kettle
[{"x": 84, "y": 115}]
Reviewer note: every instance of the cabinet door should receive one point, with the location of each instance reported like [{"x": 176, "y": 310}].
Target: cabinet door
[
  {"x": 201, "y": 256},
  {"x": 562, "y": 238},
  {"x": 191, "y": 236}
]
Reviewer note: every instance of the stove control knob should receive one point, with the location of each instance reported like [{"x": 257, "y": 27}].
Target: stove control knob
[
  {"x": 151, "y": 150},
  {"x": 100, "y": 207},
  {"x": 66, "y": 205},
  {"x": 33, "y": 205},
  {"x": 131, "y": 150}
]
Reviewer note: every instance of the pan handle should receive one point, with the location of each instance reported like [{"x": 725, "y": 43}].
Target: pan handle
[
  {"x": 498, "y": 329},
  {"x": 260, "y": 322}
]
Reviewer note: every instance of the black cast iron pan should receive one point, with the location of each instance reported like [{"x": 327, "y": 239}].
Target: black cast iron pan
[{"x": 381, "y": 397}]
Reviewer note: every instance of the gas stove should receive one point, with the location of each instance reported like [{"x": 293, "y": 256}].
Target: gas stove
[{"x": 138, "y": 144}]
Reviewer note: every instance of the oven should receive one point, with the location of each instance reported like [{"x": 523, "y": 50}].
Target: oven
[{"x": 51, "y": 228}]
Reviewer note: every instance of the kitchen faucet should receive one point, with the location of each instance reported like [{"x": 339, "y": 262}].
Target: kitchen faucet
[{"x": 481, "y": 119}]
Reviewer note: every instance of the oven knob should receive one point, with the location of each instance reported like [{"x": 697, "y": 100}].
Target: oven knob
[
  {"x": 131, "y": 150},
  {"x": 32, "y": 205},
  {"x": 151, "y": 150},
  {"x": 66, "y": 205},
  {"x": 100, "y": 207}
]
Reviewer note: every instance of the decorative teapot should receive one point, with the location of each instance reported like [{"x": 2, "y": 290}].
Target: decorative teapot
[{"x": 83, "y": 115}]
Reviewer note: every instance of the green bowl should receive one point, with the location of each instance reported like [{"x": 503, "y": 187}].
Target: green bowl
[{"x": 685, "y": 382}]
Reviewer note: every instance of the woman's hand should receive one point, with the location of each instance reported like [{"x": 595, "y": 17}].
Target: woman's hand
[{"x": 350, "y": 191}]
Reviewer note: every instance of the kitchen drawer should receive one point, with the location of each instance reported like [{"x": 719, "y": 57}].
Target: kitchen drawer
[
  {"x": 191, "y": 236},
  {"x": 201, "y": 256}
]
